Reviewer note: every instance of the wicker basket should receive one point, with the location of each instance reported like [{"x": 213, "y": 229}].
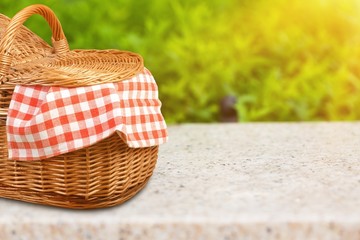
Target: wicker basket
[{"x": 102, "y": 175}]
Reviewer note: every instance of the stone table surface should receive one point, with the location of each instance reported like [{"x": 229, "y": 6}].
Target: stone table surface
[{"x": 225, "y": 181}]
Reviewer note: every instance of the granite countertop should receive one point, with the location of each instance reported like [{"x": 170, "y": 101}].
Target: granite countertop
[{"x": 225, "y": 181}]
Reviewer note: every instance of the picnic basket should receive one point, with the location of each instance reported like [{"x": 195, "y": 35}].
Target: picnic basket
[{"x": 104, "y": 174}]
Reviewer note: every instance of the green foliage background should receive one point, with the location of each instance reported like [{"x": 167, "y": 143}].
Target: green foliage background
[{"x": 283, "y": 60}]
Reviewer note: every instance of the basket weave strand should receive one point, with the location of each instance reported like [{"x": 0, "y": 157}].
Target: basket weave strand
[{"x": 102, "y": 175}]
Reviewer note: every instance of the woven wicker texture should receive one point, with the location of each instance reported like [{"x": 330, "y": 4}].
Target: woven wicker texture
[
  {"x": 62, "y": 67},
  {"x": 102, "y": 175}
]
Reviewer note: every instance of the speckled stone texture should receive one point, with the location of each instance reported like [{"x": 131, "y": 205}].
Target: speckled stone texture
[{"x": 225, "y": 181}]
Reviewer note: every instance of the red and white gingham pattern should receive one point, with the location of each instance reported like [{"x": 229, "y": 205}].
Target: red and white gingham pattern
[{"x": 47, "y": 121}]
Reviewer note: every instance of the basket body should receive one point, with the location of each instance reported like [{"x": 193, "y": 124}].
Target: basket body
[{"x": 102, "y": 175}]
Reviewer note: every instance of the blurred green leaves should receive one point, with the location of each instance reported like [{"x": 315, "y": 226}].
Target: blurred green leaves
[{"x": 284, "y": 61}]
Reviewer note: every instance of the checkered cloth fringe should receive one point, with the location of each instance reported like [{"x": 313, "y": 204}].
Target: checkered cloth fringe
[{"x": 47, "y": 121}]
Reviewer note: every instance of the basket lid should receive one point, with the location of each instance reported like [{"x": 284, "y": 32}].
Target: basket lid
[
  {"x": 58, "y": 66},
  {"x": 77, "y": 68}
]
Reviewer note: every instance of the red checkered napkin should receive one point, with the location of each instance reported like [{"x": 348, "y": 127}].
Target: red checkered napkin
[{"x": 47, "y": 121}]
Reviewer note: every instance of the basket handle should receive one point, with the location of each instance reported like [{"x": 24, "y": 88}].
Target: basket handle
[{"x": 59, "y": 42}]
